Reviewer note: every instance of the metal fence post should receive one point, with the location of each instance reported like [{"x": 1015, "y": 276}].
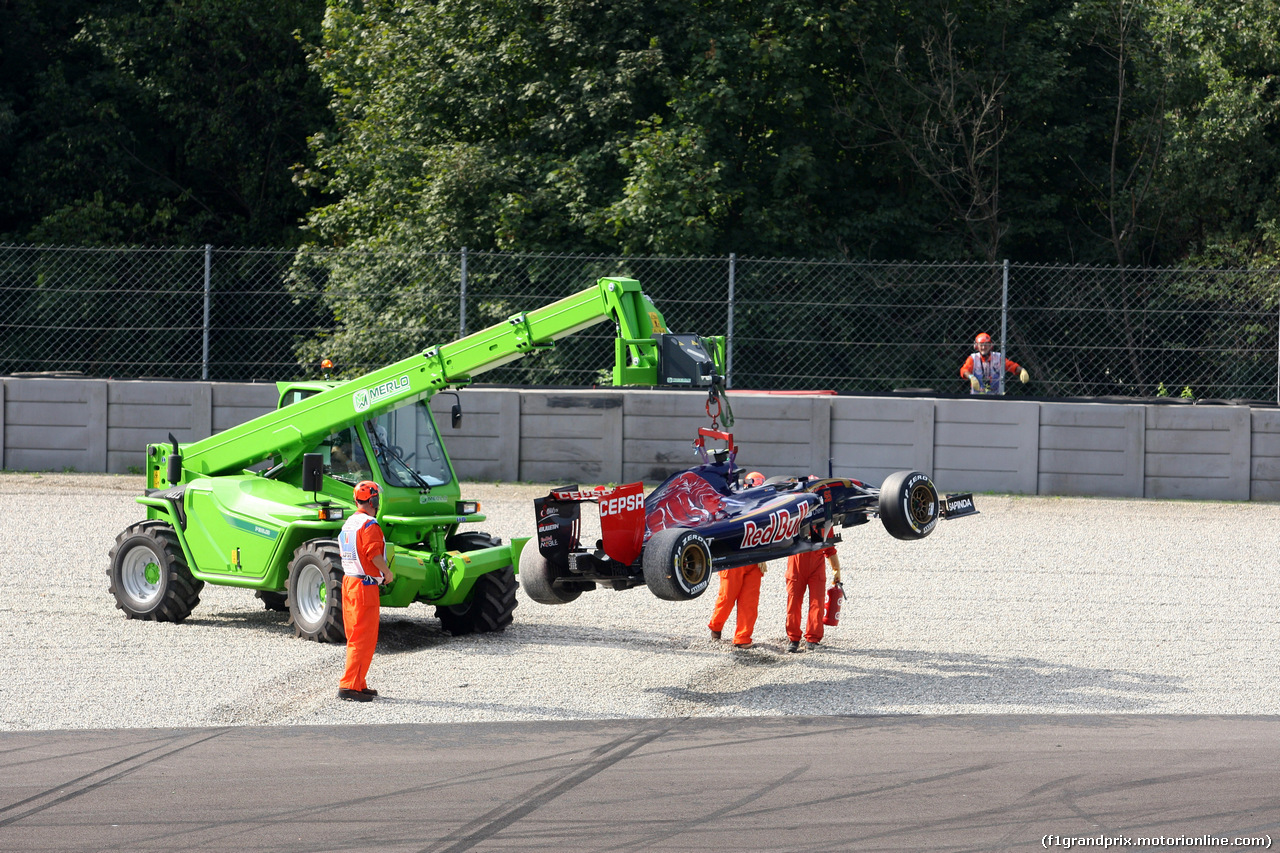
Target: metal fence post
[
  {"x": 462, "y": 298},
  {"x": 1004, "y": 325},
  {"x": 204, "y": 357},
  {"x": 728, "y": 338}
]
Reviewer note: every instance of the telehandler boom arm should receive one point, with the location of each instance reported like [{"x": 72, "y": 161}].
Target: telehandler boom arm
[{"x": 644, "y": 354}]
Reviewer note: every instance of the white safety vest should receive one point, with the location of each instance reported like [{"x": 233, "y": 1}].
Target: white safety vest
[
  {"x": 990, "y": 373},
  {"x": 347, "y": 544}
]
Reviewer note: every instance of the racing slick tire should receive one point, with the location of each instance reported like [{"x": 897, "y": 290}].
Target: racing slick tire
[
  {"x": 677, "y": 564},
  {"x": 314, "y": 591},
  {"x": 909, "y": 505},
  {"x": 493, "y": 596},
  {"x": 149, "y": 576},
  {"x": 538, "y": 576}
]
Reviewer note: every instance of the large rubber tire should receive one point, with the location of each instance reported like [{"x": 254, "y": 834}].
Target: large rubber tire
[
  {"x": 677, "y": 564},
  {"x": 537, "y": 577},
  {"x": 315, "y": 592},
  {"x": 493, "y": 597},
  {"x": 277, "y": 601},
  {"x": 909, "y": 505},
  {"x": 149, "y": 575}
]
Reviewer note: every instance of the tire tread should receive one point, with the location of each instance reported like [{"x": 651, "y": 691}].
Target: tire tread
[{"x": 181, "y": 591}]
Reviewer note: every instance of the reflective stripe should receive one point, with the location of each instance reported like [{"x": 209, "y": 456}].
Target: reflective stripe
[
  {"x": 347, "y": 544},
  {"x": 989, "y": 372}
]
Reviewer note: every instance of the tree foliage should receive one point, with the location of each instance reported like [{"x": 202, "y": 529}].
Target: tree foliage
[
  {"x": 155, "y": 121},
  {"x": 1101, "y": 131}
]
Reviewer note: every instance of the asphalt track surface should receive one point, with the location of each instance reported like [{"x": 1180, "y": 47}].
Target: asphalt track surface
[{"x": 993, "y": 782}]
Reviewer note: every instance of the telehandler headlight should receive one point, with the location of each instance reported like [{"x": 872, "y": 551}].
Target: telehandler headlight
[
  {"x": 331, "y": 513},
  {"x": 468, "y": 507}
]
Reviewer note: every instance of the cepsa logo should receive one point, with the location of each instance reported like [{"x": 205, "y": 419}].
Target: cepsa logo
[
  {"x": 366, "y": 397},
  {"x": 781, "y": 526},
  {"x": 621, "y": 504},
  {"x": 565, "y": 495}
]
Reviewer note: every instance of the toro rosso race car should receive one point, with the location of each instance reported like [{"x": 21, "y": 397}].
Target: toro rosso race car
[{"x": 706, "y": 519}]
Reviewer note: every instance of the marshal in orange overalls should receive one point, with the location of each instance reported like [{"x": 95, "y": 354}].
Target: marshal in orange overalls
[
  {"x": 740, "y": 586},
  {"x": 360, "y": 599},
  {"x": 807, "y": 573}
]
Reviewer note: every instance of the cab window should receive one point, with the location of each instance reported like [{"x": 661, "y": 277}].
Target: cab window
[{"x": 344, "y": 456}]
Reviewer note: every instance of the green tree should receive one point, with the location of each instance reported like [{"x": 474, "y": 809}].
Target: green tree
[
  {"x": 630, "y": 127},
  {"x": 570, "y": 125},
  {"x": 940, "y": 104},
  {"x": 495, "y": 125},
  {"x": 158, "y": 122},
  {"x": 1223, "y": 150}
]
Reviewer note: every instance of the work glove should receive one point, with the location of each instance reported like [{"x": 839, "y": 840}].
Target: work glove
[
  {"x": 1024, "y": 376},
  {"x": 974, "y": 383}
]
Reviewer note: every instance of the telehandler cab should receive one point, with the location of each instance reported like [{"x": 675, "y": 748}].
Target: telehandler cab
[{"x": 259, "y": 505}]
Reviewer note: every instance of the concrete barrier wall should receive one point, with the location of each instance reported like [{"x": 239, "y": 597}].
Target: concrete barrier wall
[
  {"x": 608, "y": 436},
  {"x": 1198, "y": 453},
  {"x": 1264, "y": 455},
  {"x": 873, "y": 437},
  {"x": 1092, "y": 449},
  {"x": 487, "y": 445},
  {"x": 55, "y": 424}
]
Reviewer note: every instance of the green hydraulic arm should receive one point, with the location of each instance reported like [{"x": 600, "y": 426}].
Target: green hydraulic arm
[{"x": 289, "y": 432}]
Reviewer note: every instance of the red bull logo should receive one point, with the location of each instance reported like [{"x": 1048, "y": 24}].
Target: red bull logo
[{"x": 782, "y": 525}]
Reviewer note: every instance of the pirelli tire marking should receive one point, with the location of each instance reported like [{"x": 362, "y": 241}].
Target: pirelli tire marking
[{"x": 677, "y": 564}]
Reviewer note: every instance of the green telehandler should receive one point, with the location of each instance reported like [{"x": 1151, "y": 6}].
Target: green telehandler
[{"x": 259, "y": 506}]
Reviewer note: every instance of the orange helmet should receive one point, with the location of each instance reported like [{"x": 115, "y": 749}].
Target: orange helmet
[
  {"x": 755, "y": 478},
  {"x": 983, "y": 338},
  {"x": 367, "y": 491}
]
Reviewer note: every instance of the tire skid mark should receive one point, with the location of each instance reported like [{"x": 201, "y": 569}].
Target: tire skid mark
[
  {"x": 1010, "y": 813},
  {"x": 674, "y": 829},
  {"x": 844, "y": 798},
  {"x": 1054, "y": 784},
  {"x": 292, "y": 815},
  {"x": 1058, "y": 789},
  {"x": 846, "y": 724},
  {"x": 602, "y": 758},
  {"x": 42, "y": 757},
  {"x": 1165, "y": 779},
  {"x": 95, "y": 778}
]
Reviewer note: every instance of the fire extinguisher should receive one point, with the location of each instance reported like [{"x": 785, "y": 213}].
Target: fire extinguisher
[{"x": 835, "y": 595}]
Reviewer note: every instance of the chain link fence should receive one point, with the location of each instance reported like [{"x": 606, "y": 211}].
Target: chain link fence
[{"x": 265, "y": 315}]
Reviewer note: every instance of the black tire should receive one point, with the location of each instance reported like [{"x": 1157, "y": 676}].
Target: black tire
[
  {"x": 493, "y": 597},
  {"x": 677, "y": 564},
  {"x": 315, "y": 592},
  {"x": 537, "y": 577},
  {"x": 149, "y": 576},
  {"x": 277, "y": 601},
  {"x": 909, "y": 505}
]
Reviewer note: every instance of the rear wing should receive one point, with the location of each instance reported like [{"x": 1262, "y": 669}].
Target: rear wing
[{"x": 622, "y": 526}]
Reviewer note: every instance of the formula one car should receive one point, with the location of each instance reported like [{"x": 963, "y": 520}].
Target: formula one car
[{"x": 706, "y": 519}]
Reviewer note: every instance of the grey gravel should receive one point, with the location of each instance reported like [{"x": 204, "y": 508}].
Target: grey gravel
[{"x": 1035, "y": 606}]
